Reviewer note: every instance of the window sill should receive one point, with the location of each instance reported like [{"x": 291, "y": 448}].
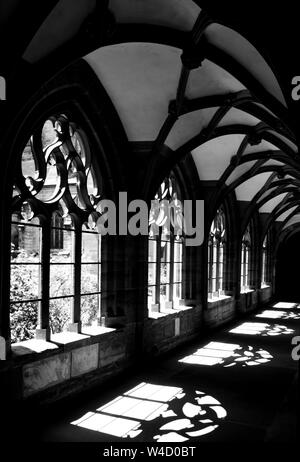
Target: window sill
[
  {"x": 265, "y": 286},
  {"x": 246, "y": 291},
  {"x": 219, "y": 298},
  {"x": 96, "y": 330},
  {"x": 32, "y": 346},
  {"x": 58, "y": 342},
  {"x": 168, "y": 311},
  {"x": 65, "y": 338}
]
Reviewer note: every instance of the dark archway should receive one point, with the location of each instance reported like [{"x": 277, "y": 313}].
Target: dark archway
[{"x": 288, "y": 270}]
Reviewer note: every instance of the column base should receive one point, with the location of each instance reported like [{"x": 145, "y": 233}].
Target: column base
[
  {"x": 75, "y": 327},
  {"x": 43, "y": 334},
  {"x": 155, "y": 308}
]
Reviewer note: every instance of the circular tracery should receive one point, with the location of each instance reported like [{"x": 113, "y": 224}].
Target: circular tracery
[{"x": 56, "y": 166}]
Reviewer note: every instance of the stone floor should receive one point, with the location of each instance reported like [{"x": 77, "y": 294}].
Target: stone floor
[{"x": 238, "y": 384}]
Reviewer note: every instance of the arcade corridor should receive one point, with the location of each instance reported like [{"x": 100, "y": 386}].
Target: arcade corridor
[
  {"x": 238, "y": 384},
  {"x": 149, "y": 221}
]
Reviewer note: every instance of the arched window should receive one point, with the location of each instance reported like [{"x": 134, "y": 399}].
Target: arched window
[
  {"x": 55, "y": 247},
  {"x": 265, "y": 261},
  {"x": 245, "y": 260},
  {"x": 165, "y": 247},
  {"x": 216, "y": 255}
]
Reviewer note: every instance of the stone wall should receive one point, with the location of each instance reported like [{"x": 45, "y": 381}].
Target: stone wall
[
  {"x": 71, "y": 362},
  {"x": 61, "y": 369},
  {"x": 265, "y": 294},
  {"x": 168, "y": 331},
  {"x": 219, "y": 312},
  {"x": 248, "y": 301}
]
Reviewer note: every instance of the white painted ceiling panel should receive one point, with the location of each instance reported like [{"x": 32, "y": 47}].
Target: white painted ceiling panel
[
  {"x": 61, "y": 25},
  {"x": 266, "y": 193},
  {"x": 272, "y": 162},
  {"x": 246, "y": 54},
  {"x": 188, "y": 126},
  {"x": 263, "y": 146},
  {"x": 210, "y": 79},
  {"x": 236, "y": 116},
  {"x": 285, "y": 140},
  {"x": 247, "y": 190},
  {"x": 177, "y": 14},
  {"x": 272, "y": 203},
  {"x": 212, "y": 157},
  {"x": 284, "y": 215},
  {"x": 240, "y": 170},
  {"x": 141, "y": 79},
  {"x": 292, "y": 221}
]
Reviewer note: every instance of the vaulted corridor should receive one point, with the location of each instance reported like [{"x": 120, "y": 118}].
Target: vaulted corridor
[
  {"x": 238, "y": 384},
  {"x": 149, "y": 223}
]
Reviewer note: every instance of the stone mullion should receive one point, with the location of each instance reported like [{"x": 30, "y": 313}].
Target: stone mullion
[
  {"x": 5, "y": 282},
  {"x": 158, "y": 264},
  {"x": 43, "y": 327},
  {"x": 171, "y": 269},
  {"x": 76, "y": 305}
]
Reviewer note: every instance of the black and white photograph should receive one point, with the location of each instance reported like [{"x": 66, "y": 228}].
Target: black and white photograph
[{"x": 149, "y": 227}]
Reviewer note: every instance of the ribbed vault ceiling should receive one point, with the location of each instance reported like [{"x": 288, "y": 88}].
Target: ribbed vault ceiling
[{"x": 211, "y": 93}]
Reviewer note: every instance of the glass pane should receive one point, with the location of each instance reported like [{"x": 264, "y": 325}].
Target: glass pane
[
  {"x": 221, "y": 254},
  {"x": 165, "y": 273},
  {"x": 78, "y": 145},
  {"x": 91, "y": 248},
  {"x": 151, "y": 274},
  {"x": 164, "y": 293},
  {"x": 23, "y": 321},
  {"x": 220, "y": 284},
  {"x": 165, "y": 236},
  {"x": 24, "y": 282},
  {"x": 61, "y": 280},
  {"x": 90, "y": 310},
  {"x": 177, "y": 277},
  {"x": 221, "y": 276},
  {"x": 50, "y": 185},
  {"x": 151, "y": 296},
  {"x": 92, "y": 183},
  {"x": 90, "y": 278},
  {"x": 209, "y": 272},
  {"x": 177, "y": 251},
  {"x": 25, "y": 243},
  {"x": 65, "y": 240},
  {"x": 152, "y": 246},
  {"x": 49, "y": 134},
  {"x": 60, "y": 314},
  {"x": 28, "y": 162},
  {"x": 165, "y": 252},
  {"x": 215, "y": 253},
  {"x": 177, "y": 289},
  {"x": 214, "y": 270},
  {"x": 213, "y": 285}
]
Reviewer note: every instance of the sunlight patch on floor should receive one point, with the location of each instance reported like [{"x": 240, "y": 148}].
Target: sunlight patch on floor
[
  {"x": 260, "y": 328},
  {"x": 286, "y": 305},
  {"x": 277, "y": 314},
  {"x": 168, "y": 414},
  {"x": 227, "y": 355}
]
